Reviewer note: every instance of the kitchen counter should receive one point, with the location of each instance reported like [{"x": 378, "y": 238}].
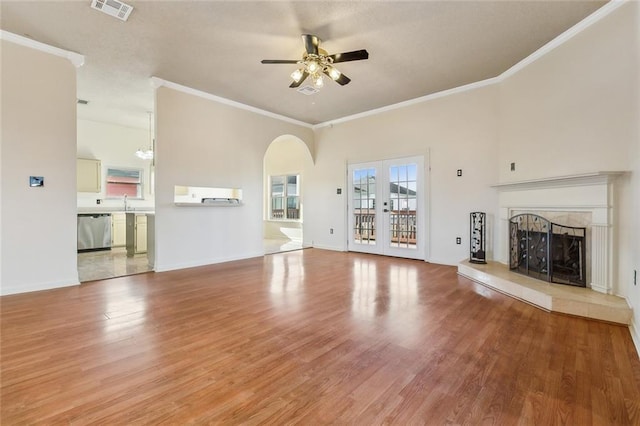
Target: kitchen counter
[{"x": 105, "y": 210}]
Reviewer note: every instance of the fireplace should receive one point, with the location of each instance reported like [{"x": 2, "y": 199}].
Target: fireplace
[
  {"x": 585, "y": 200},
  {"x": 547, "y": 251}
]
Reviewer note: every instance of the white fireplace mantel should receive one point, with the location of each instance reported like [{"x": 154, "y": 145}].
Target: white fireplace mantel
[
  {"x": 593, "y": 178},
  {"x": 589, "y": 192}
]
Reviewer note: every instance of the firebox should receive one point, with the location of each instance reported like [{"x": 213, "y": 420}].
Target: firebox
[{"x": 547, "y": 251}]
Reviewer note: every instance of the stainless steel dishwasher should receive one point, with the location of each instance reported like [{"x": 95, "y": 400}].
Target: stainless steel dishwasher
[{"x": 94, "y": 231}]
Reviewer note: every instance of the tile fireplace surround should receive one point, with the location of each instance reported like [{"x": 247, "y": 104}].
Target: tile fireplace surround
[{"x": 582, "y": 200}]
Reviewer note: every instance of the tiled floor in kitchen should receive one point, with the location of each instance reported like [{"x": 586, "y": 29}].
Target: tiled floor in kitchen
[
  {"x": 98, "y": 265},
  {"x": 104, "y": 264}
]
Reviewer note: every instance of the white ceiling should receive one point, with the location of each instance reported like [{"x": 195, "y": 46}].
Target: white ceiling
[{"x": 415, "y": 48}]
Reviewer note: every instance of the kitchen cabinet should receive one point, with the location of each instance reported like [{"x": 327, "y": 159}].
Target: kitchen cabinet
[
  {"x": 89, "y": 175},
  {"x": 136, "y": 233},
  {"x": 151, "y": 246},
  {"x": 118, "y": 230}
]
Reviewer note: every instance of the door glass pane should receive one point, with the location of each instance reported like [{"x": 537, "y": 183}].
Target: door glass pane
[
  {"x": 364, "y": 216},
  {"x": 402, "y": 194}
]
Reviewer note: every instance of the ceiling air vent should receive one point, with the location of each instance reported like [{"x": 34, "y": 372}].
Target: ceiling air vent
[
  {"x": 114, "y": 8},
  {"x": 308, "y": 90}
]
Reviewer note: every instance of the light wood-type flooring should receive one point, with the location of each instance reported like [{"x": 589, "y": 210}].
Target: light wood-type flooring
[{"x": 308, "y": 337}]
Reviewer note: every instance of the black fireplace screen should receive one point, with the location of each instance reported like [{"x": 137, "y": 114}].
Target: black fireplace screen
[{"x": 547, "y": 251}]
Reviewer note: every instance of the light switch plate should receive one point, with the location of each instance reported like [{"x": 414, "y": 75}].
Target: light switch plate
[{"x": 35, "y": 181}]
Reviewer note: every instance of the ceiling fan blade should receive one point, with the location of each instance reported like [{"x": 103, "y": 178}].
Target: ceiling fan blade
[
  {"x": 356, "y": 55},
  {"x": 342, "y": 80},
  {"x": 310, "y": 43},
  {"x": 295, "y": 84},
  {"x": 278, "y": 61}
]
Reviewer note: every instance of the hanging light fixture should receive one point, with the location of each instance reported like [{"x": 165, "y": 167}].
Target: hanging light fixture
[
  {"x": 297, "y": 75},
  {"x": 316, "y": 66},
  {"x": 148, "y": 154},
  {"x": 318, "y": 81},
  {"x": 334, "y": 73}
]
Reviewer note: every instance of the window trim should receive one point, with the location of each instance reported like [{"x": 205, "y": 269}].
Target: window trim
[
  {"x": 140, "y": 184},
  {"x": 284, "y": 197}
]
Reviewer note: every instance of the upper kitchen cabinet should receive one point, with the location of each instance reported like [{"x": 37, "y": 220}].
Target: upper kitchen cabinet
[{"x": 89, "y": 175}]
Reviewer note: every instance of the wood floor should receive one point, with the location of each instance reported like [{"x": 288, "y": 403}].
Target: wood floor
[{"x": 308, "y": 337}]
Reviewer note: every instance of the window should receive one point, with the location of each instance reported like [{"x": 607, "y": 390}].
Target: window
[
  {"x": 285, "y": 197},
  {"x": 121, "y": 182}
]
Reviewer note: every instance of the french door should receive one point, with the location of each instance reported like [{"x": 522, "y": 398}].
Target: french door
[{"x": 386, "y": 207}]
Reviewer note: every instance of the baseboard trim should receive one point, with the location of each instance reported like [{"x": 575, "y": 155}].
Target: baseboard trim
[
  {"x": 204, "y": 262},
  {"x": 5, "y": 291},
  {"x": 332, "y": 248},
  {"x": 442, "y": 262}
]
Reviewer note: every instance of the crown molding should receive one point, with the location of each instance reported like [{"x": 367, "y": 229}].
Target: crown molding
[
  {"x": 75, "y": 58},
  {"x": 426, "y": 98},
  {"x": 157, "y": 82},
  {"x": 564, "y": 37}
]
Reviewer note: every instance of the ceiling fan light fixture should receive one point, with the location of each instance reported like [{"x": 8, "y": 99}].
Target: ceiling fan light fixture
[
  {"x": 316, "y": 63},
  {"x": 297, "y": 75},
  {"x": 312, "y": 66},
  {"x": 334, "y": 73}
]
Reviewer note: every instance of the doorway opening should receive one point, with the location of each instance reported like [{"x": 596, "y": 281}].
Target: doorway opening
[
  {"x": 115, "y": 199},
  {"x": 286, "y": 163}
]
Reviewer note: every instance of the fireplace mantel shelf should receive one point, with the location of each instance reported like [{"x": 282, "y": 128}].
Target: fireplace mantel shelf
[{"x": 560, "y": 181}]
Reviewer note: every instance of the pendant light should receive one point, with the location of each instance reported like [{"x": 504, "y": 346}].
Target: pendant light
[{"x": 148, "y": 154}]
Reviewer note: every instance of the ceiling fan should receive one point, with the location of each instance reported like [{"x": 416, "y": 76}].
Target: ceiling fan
[{"x": 315, "y": 62}]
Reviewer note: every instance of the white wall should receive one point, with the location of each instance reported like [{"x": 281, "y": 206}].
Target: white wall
[
  {"x": 38, "y": 139},
  {"x": 287, "y": 155},
  {"x": 204, "y": 143},
  {"x": 453, "y": 132},
  {"x": 115, "y": 146},
  {"x": 571, "y": 110}
]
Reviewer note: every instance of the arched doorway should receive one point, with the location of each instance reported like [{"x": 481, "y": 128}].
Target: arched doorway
[{"x": 286, "y": 163}]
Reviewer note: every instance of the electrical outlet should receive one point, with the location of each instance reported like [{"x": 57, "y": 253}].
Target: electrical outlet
[
  {"x": 513, "y": 167},
  {"x": 459, "y": 172},
  {"x": 98, "y": 201},
  {"x": 339, "y": 191},
  {"x": 458, "y": 240},
  {"x": 331, "y": 230}
]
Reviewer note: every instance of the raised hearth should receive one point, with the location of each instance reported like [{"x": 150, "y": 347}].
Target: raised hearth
[{"x": 548, "y": 296}]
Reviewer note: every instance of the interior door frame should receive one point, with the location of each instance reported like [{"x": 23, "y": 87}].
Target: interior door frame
[{"x": 422, "y": 206}]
